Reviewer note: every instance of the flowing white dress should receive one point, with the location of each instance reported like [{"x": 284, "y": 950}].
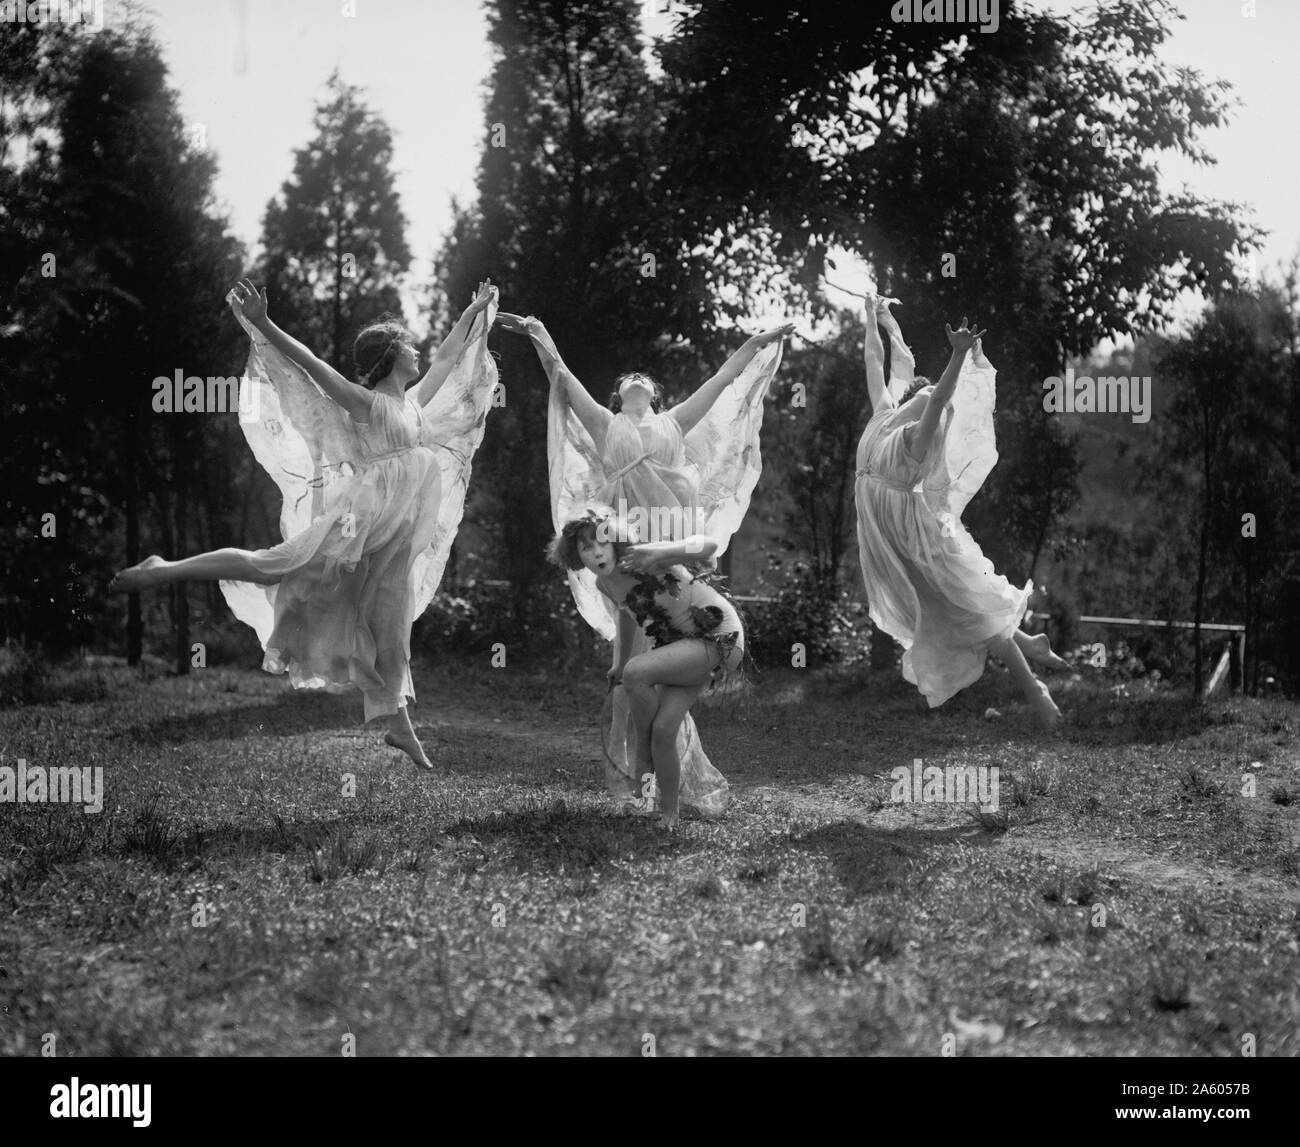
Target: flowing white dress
[
  {"x": 699, "y": 482},
  {"x": 928, "y": 583},
  {"x": 369, "y": 514}
]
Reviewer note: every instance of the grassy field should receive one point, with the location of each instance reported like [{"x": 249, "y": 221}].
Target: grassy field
[{"x": 236, "y": 897}]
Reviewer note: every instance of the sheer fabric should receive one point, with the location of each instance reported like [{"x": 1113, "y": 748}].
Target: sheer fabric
[
  {"x": 368, "y": 516},
  {"x": 699, "y": 482},
  {"x": 928, "y": 583}
]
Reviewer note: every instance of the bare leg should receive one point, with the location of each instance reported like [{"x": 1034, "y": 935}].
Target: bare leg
[
  {"x": 216, "y": 565},
  {"x": 1036, "y": 693},
  {"x": 680, "y": 670},
  {"x": 675, "y": 701},
  {"x": 401, "y": 735},
  {"x": 1037, "y": 648},
  {"x": 643, "y": 699}
]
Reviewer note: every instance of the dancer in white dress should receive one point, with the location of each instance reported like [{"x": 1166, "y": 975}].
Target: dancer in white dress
[
  {"x": 926, "y": 450},
  {"x": 374, "y": 488},
  {"x": 674, "y": 473}
]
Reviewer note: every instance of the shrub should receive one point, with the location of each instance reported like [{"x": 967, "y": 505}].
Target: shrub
[{"x": 831, "y": 627}]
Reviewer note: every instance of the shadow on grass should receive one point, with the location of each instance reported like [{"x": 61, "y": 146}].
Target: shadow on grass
[
  {"x": 169, "y": 844},
  {"x": 292, "y": 714},
  {"x": 875, "y": 861},
  {"x": 1099, "y": 716},
  {"x": 548, "y": 840}
]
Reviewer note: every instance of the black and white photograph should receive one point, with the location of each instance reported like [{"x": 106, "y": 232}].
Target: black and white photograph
[{"x": 638, "y": 528}]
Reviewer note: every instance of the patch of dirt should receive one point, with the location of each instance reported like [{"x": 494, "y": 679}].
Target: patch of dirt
[{"x": 1146, "y": 869}]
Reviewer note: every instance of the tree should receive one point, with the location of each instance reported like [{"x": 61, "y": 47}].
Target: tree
[
  {"x": 1228, "y": 419},
  {"x": 1007, "y": 177},
  {"x": 816, "y": 421},
  {"x": 122, "y": 216},
  {"x": 568, "y": 187},
  {"x": 335, "y": 237}
]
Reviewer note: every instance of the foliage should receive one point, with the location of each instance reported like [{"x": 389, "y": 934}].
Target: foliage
[
  {"x": 569, "y": 191},
  {"x": 469, "y": 617},
  {"x": 1012, "y": 178},
  {"x": 1226, "y": 453},
  {"x": 334, "y": 238},
  {"x": 828, "y": 626},
  {"x": 811, "y": 434},
  {"x": 119, "y": 266}
]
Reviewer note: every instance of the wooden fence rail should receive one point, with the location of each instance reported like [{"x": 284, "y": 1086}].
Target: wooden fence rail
[{"x": 1231, "y": 663}]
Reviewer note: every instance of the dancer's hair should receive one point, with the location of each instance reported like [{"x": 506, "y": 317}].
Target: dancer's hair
[
  {"x": 601, "y": 523},
  {"x": 919, "y": 383},
  {"x": 656, "y": 398},
  {"x": 376, "y": 347}
]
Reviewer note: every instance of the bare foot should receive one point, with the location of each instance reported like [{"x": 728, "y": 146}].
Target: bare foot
[
  {"x": 1039, "y": 650},
  {"x": 669, "y": 822},
  {"x": 137, "y": 577},
  {"x": 1049, "y": 716},
  {"x": 411, "y": 746}
]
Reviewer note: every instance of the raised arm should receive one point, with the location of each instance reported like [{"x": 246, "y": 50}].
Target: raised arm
[
  {"x": 920, "y": 434},
  {"x": 245, "y": 300},
  {"x": 647, "y": 556},
  {"x": 594, "y": 417},
  {"x": 689, "y": 412},
  {"x": 873, "y": 352},
  {"x": 454, "y": 345}
]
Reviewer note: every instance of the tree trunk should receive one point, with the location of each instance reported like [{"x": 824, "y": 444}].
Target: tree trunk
[
  {"x": 180, "y": 508},
  {"x": 1244, "y": 683},
  {"x": 1202, "y": 561},
  {"x": 134, "y": 622},
  {"x": 1040, "y": 538}
]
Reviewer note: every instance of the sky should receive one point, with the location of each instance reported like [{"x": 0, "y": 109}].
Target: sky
[{"x": 249, "y": 73}]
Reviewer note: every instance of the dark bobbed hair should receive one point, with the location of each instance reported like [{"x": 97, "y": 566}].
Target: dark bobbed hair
[
  {"x": 600, "y": 522},
  {"x": 656, "y": 398},
  {"x": 919, "y": 383},
  {"x": 375, "y": 350}
]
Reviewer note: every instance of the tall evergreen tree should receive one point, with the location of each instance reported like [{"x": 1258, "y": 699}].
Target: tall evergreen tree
[
  {"x": 335, "y": 238},
  {"x": 568, "y": 187},
  {"x": 138, "y": 266}
]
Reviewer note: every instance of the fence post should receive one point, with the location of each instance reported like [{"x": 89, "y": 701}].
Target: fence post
[{"x": 1221, "y": 669}]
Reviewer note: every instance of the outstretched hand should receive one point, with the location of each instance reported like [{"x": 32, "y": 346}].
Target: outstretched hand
[
  {"x": 964, "y": 337},
  {"x": 877, "y": 303},
  {"x": 485, "y": 295},
  {"x": 776, "y": 334},
  {"x": 244, "y": 300},
  {"x": 516, "y": 323}
]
